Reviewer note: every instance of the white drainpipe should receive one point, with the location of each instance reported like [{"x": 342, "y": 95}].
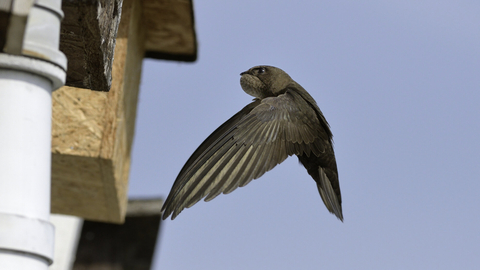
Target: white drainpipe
[{"x": 26, "y": 85}]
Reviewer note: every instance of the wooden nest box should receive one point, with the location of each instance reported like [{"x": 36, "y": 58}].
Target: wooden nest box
[{"x": 105, "y": 42}]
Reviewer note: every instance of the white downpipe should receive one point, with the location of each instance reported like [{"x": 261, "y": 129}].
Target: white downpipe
[
  {"x": 25, "y": 128},
  {"x": 67, "y": 235},
  {"x": 26, "y": 85}
]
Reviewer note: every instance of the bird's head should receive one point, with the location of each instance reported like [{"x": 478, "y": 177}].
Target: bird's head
[{"x": 264, "y": 81}]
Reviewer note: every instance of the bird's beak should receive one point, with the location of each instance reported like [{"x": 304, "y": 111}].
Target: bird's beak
[{"x": 243, "y": 73}]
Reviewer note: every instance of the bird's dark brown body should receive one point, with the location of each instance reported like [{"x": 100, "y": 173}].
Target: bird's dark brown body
[{"x": 283, "y": 120}]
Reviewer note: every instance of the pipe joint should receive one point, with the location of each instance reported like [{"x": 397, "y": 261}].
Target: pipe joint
[{"x": 21, "y": 234}]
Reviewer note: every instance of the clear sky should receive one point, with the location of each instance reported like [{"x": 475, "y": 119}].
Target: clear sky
[{"x": 399, "y": 83}]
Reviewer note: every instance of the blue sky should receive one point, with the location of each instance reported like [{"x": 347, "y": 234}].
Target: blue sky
[{"x": 399, "y": 83}]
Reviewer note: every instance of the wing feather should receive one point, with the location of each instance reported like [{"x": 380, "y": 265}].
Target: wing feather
[{"x": 252, "y": 142}]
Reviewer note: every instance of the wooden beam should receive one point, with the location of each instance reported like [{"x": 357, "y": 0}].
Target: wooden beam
[
  {"x": 87, "y": 38},
  {"x": 89, "y": 30},
  {"x": 170, "y": 30},
  {"x": 92, "y": 132},
  {"x": 129, "y": 246}
]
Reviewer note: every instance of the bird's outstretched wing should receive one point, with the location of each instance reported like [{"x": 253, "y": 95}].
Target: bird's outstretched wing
[{"x": 252, "y": 142}]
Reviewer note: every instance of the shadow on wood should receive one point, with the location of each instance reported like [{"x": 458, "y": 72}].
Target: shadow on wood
[{"x": 106, "y": 246}]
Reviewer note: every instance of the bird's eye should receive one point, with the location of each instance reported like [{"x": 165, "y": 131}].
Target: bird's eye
[{"x": 260, "y": 70}]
